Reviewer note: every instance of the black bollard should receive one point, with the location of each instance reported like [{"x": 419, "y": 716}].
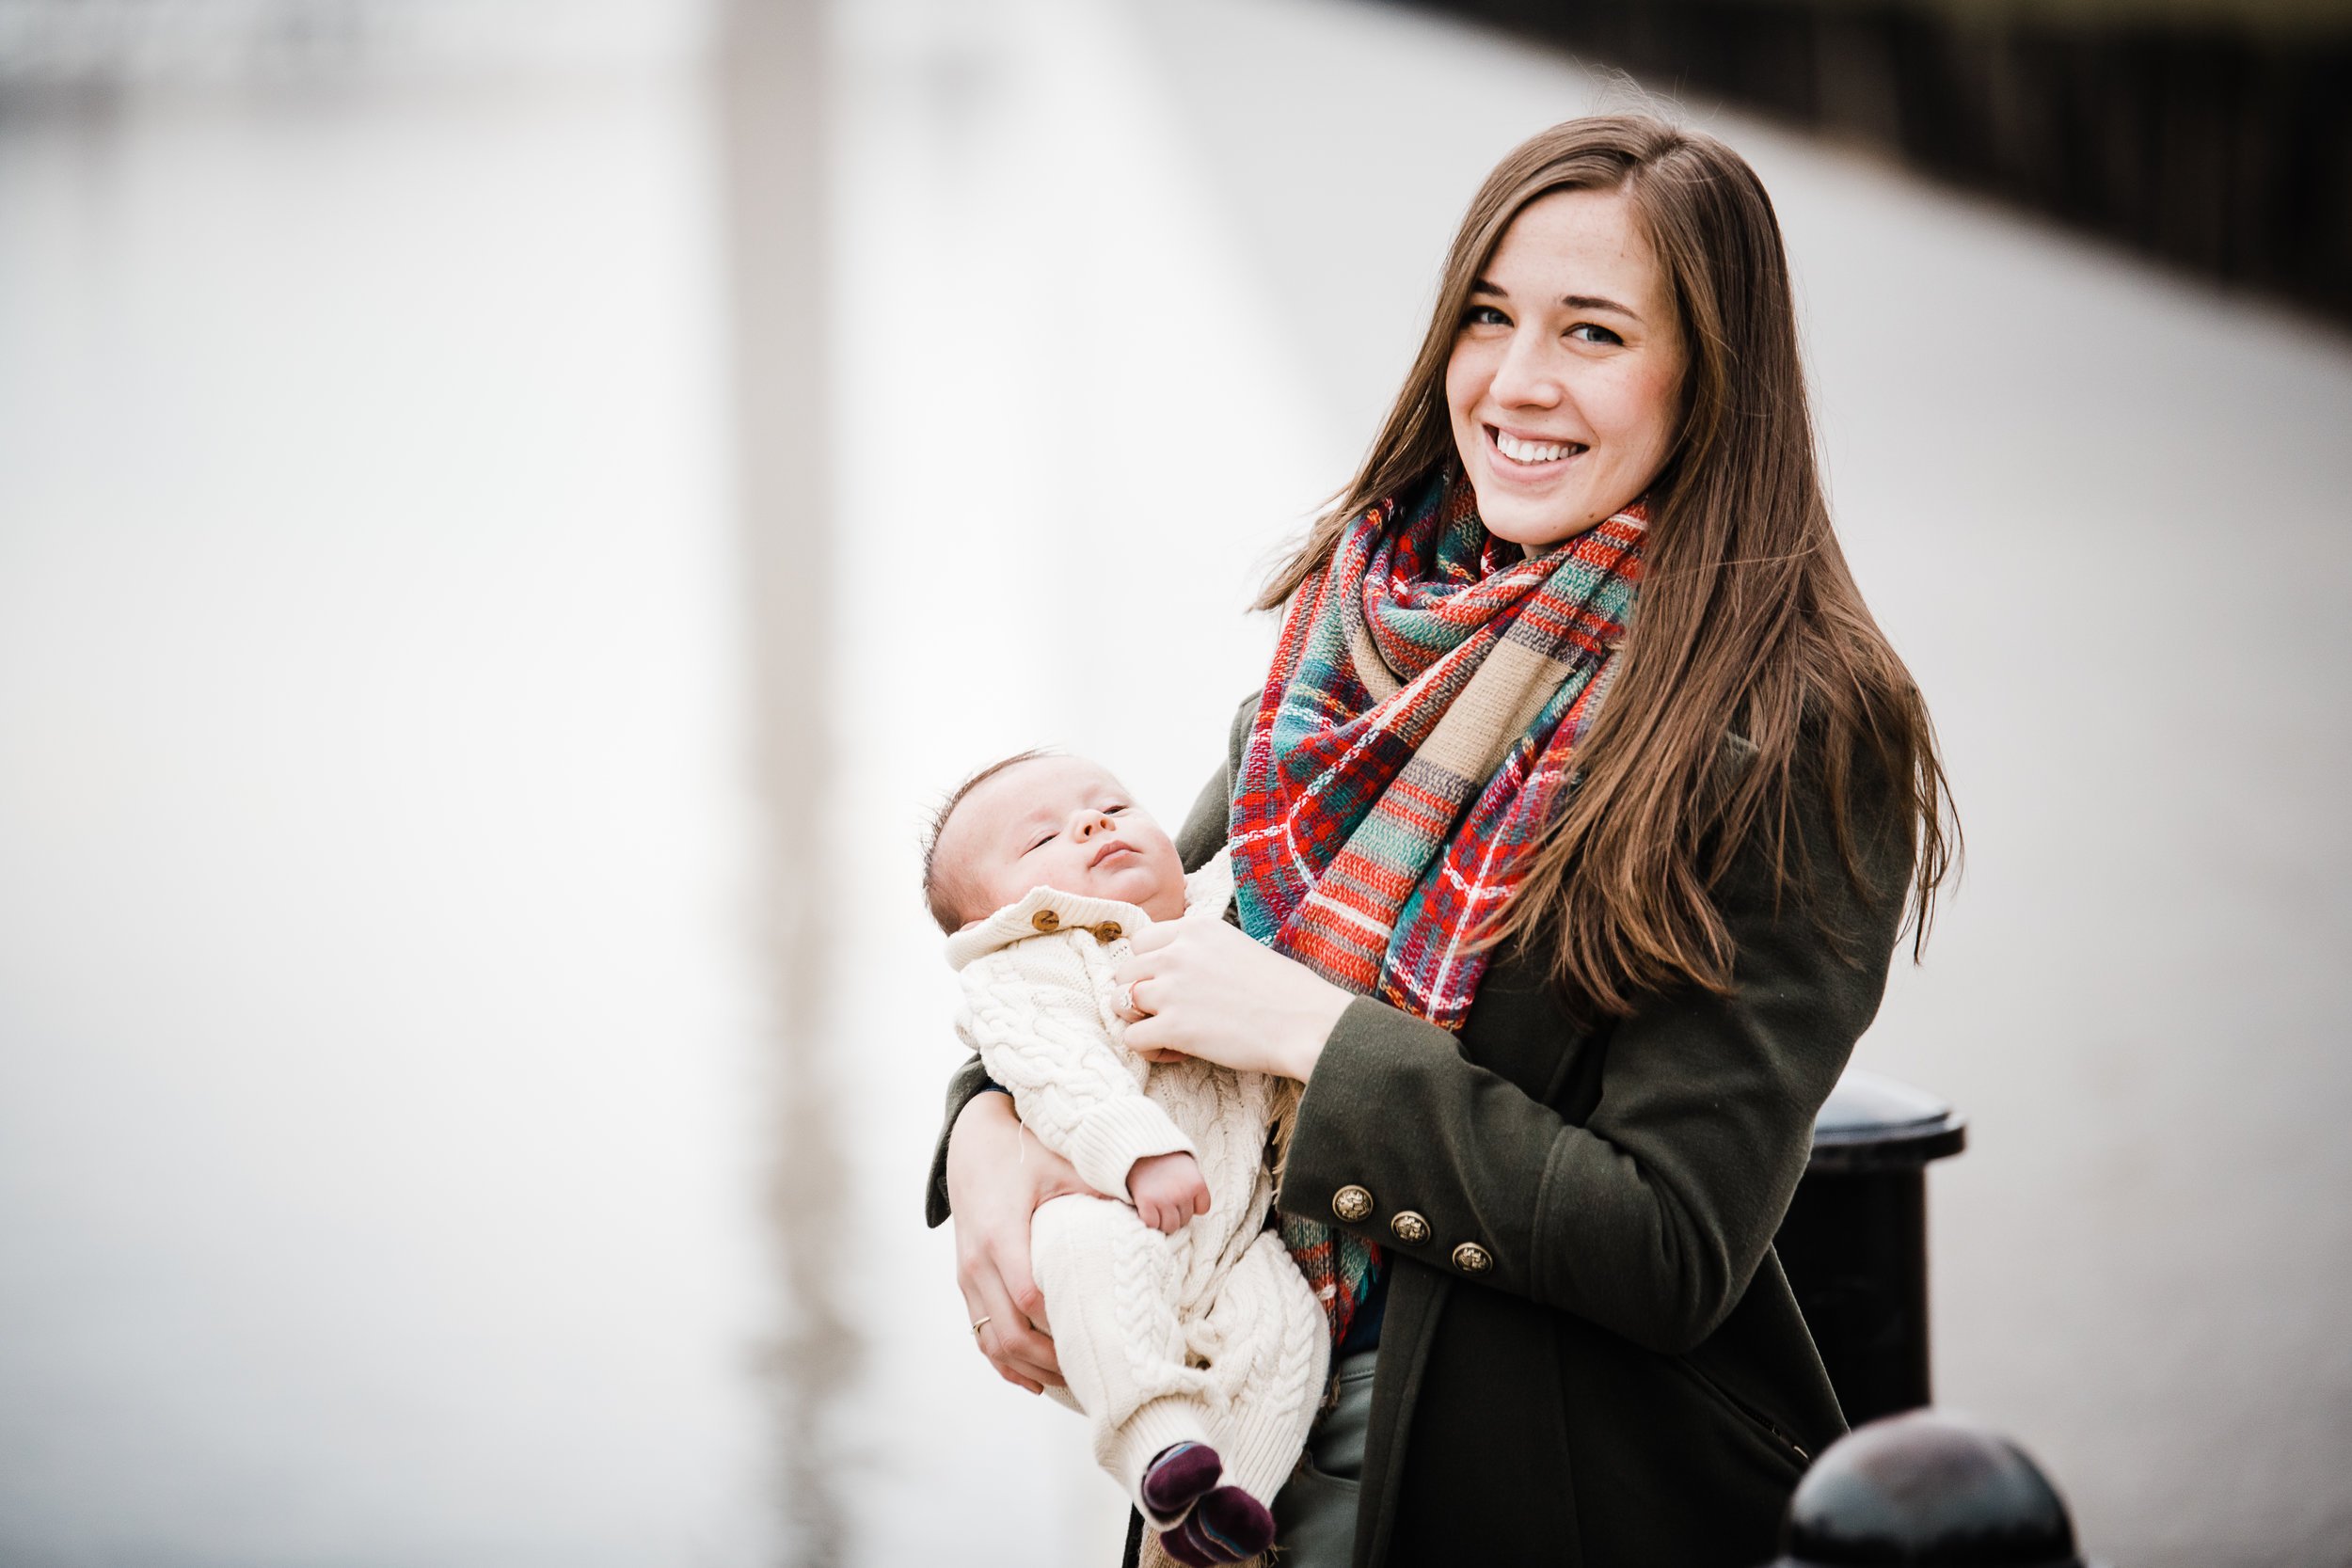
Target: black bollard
[
  {"x": 1926, "y": 1489},
  {"x": 1854, "y": 1243}
]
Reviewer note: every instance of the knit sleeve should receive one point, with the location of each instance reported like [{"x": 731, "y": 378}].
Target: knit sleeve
[{"x": 1040, "y": 1035}]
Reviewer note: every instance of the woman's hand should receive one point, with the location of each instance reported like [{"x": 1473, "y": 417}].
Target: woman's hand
[
  {"x": 997, "y": 1176},
  {"x": 1205, "y": 990}
]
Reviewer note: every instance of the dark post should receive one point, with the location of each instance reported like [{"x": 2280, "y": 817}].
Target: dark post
[
  {"x": 1855, "y": 1240},
  {"x": 1926, "y": 1488}
]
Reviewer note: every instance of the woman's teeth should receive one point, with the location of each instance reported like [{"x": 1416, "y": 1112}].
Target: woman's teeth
[{"x": 1534, "y": 451}]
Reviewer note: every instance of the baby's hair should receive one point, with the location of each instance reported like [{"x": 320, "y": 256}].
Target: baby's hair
[{"x": 937, "y": 895}]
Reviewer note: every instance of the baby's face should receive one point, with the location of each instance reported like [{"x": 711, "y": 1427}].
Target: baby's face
[{"x": 1058, "y": 822}]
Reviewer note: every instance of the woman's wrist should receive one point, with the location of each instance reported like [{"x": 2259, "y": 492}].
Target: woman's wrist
[
  {"x": 983, "y": 1120},
  {"x": 992, "y": 1099},
  {"x": 1319, "y": 1015},
  {"x": 992, "y": 1158}
]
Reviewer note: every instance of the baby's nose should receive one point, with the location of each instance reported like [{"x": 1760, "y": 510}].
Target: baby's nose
[{"x": 1090, "y": 822}]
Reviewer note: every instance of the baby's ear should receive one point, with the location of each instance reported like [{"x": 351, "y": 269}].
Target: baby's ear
[{"x": 969, "y": 924}]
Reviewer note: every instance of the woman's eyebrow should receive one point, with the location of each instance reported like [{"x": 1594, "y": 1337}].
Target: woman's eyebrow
[
  {"x": 1574, "y": 302},
  {"x": 1593, "y": 302}
]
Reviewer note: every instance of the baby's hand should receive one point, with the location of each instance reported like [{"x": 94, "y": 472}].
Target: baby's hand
[{"x": 1168, "y": 1191}]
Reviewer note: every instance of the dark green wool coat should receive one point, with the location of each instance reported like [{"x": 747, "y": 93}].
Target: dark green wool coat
[{"x": 1625, "y": 1382}]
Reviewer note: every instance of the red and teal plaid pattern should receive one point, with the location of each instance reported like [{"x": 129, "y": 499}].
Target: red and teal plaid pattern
[{"x": 1422, "y": 715}]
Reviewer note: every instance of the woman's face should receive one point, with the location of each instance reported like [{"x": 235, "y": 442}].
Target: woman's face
[{"x": 1566, "y": 372}]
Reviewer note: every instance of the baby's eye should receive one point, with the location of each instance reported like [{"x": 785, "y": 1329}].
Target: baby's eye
[
  {"x": 1116, "y": 810},
  {"x": 1038, "y": 844}
]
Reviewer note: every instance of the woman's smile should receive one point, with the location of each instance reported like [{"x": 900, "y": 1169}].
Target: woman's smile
[{"x": 1533, "y": 456}]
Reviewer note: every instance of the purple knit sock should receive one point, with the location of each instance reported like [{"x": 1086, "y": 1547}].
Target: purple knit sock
[
  {"x": 1175, "y": 1478},
  {"x": 1226, "y": 1525},
  {"x": 1173, "y": 1542}
]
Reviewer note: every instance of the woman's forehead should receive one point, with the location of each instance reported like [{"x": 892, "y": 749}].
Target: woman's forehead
[{"x": 1578, "y": 242}]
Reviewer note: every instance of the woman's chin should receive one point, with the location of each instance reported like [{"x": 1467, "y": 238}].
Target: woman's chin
[
  {"x": 1536, "y": 534},
  {"x": 1536, "y": 528},
  {"x": 1534, "y": 523}
]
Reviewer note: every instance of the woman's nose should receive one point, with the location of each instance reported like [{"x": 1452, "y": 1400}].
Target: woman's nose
[{"x": 1526, "y": 376}]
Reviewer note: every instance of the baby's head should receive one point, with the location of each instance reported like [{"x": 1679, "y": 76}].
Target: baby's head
[{"x": 1038, "y": 820}]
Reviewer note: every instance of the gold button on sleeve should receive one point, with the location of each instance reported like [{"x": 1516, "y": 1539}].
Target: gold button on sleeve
[
  {"x": 1352, "y": 1203},
  {"x": 1046, "y": 920},
  {"x": 1410, "y": 1228},
  {"x": 1473, "y": 1258}
]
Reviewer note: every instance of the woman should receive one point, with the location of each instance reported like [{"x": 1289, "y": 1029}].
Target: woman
[{"x": 1574, "y": 830}]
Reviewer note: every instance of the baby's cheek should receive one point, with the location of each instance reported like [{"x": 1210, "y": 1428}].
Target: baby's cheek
[{"x": 989, "y": 883}]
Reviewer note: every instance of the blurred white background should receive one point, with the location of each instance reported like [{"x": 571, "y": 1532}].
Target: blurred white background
[{"x": 510, "y": 513}]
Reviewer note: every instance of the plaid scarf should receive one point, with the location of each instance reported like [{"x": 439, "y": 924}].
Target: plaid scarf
[{"x": 1422, "y": 715}]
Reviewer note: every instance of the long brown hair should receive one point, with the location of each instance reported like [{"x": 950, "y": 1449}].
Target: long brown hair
[{"x": 1749, "y": 623}]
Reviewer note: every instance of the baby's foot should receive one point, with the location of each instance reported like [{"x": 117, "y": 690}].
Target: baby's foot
[
  {"x": 1176, "y": 1477},
  {"x": 1226, "y": 1525}
]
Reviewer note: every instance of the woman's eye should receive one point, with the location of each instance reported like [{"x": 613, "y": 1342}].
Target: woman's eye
[
  {"x": 1593, "y": 332},
  {"x": 1485, "y": 315}
]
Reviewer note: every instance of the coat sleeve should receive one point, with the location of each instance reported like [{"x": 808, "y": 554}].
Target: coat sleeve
[
  {"x": 968, "y": 1081},
  {"x": 1651, "y": 1216},
  {"x": 1041, "y": 1038}
]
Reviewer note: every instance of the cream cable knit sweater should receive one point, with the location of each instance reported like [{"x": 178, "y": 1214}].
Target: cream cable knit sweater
[{"x": 1210, "y": 1334}]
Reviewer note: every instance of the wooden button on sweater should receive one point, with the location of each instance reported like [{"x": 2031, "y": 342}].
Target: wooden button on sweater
[{"x": 1046, "y": 920}]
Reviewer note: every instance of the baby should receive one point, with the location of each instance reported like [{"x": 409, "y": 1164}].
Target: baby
[{"x": 1188, "y": 1337}]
